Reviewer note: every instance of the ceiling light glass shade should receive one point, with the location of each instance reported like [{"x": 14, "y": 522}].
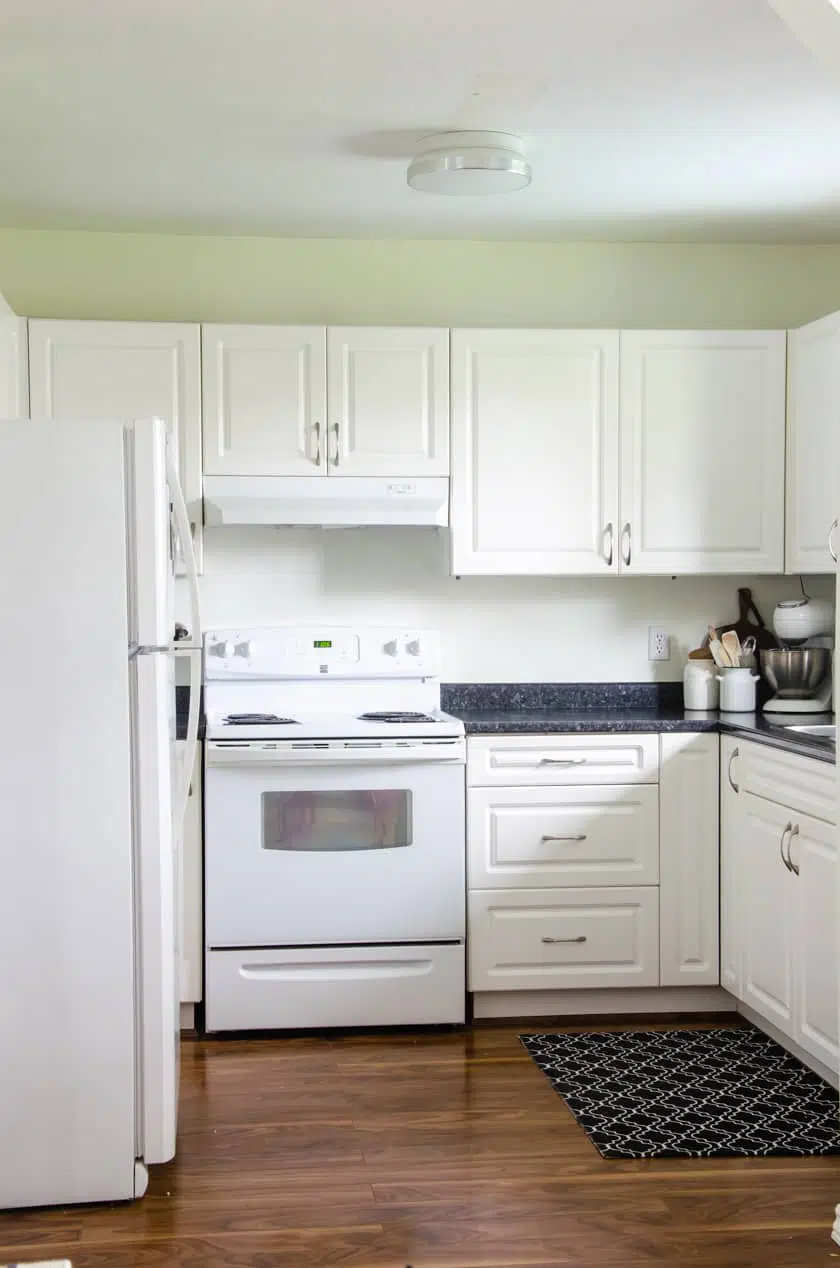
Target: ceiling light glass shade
[{"x": 469, "y": 163}]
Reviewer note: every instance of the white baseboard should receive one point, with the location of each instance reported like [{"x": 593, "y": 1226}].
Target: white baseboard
[
  {"x": 187, "y": 1021},
  {"x": 824, "y": 1071},
  {"x": 655, "y": 999}
]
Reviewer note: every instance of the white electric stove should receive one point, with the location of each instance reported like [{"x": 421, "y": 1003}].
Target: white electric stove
[{"x": 334, "y": 830}]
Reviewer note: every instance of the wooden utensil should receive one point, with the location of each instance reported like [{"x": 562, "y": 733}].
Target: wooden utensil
[{"x": 731, "y": 644}]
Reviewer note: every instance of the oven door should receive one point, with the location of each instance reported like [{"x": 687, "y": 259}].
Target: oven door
[{"x": 318, "y": 848}]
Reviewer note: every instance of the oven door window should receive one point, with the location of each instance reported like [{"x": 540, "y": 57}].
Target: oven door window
[{"x": 358, "y": 819}]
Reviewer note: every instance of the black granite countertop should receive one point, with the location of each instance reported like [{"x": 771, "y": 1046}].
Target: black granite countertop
[{"x": 577, "y": 708}]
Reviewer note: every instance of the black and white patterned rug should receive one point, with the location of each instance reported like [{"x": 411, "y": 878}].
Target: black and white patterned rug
[{"x": 690, "y": 1093}]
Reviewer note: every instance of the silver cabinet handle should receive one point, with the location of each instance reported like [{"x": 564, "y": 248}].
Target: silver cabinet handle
[
  {"x": 831, "y": 549},
  {"x": 580, "y": 836},
  {"x": 337, "y": 455},
  {"x": 608, "y": 551},
  {"x": 316, "y": 427},
  {"x": 626, "y": 544},
  {"x": 794, "y": 832},
  {"x": 785, "y": 830},
  {"x": 562, "y": 761},
  {"x": 732, "y": 784},
  {"x": 580, "y": 938}
]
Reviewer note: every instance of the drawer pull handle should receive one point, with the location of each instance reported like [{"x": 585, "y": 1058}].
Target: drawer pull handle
[
  {"x": 794, "y": 832},
  {"x": 562, "y": 761},
  {"x": 581, "y": 938},
  {"x": 580, "y": 836},
  {"x": 785, "y": 859},
  {"x": 735, "y": 787}
]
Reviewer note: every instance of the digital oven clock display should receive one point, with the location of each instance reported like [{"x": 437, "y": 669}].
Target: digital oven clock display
[{"x": 322, "y": 642}]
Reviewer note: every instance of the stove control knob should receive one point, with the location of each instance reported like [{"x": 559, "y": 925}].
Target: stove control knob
[
  {"x": 222, "y": 650},
  {"x": 390, "y": 648},
  {"x": 243, "y": 649},
  {"x": 413, "y": 647}
]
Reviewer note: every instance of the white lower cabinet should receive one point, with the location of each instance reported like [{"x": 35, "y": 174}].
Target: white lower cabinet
[
  {"x": 526, "y": 837},
  {"x": 190, "y": 887},
  {"x": 766, "y": 910},
  {"x": 730, "y": 809},
  {"x": 592, "y": 861},
  {"x": 544, "y": 938},
  {"x": 779, "y": 895},
  {"x": 688, "y": 871}
]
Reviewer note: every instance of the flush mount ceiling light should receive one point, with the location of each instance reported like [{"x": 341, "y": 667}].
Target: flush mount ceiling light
[{"x": 469, "y": 163}]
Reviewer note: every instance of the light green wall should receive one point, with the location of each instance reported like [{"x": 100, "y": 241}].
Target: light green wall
[{"x": 168, "y": 277}]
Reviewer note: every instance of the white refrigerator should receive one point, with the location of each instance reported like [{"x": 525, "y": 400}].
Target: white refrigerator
[{"x": 92, "y": 522}]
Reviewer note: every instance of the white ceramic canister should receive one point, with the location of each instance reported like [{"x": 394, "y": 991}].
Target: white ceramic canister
[
  {"x": 737, "y": 690},
  {"x": 700, "y": 685}
]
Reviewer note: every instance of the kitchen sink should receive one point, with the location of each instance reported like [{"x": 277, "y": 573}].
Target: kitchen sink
[{"x": 817, "y": 730}]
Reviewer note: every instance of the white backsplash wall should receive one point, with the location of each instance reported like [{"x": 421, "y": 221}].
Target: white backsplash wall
[{"x": 494, "y": 629}]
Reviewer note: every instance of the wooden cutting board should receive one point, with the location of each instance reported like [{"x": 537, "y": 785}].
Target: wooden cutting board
[{"x": 744, "y": 627}]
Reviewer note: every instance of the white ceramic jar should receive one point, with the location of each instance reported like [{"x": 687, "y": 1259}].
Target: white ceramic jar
[
  {"x": 700, "y": 685},
  {"x": 737, "y": 690}
]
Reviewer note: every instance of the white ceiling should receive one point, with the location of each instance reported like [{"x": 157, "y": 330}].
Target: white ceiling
[{"x": 702, "y": 120}]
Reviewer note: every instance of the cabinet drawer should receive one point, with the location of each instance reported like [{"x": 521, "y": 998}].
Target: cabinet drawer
[
  {"x": 544, "y": 939},
  {"x": 537, "y": 837},
  {"x": 801, "y": 783},
  {"x": 562, "y": 759}
]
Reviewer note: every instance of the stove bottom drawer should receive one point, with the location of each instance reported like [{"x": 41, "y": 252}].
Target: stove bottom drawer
[{"x": 335, "y": 986}]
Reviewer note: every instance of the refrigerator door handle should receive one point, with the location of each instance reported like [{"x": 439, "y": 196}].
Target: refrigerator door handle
[{"x": 182, "y": 527}]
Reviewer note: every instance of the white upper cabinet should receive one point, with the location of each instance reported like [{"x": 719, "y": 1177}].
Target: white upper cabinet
[
  {"x": 702, "y": 451},
  {"x": 265, "y": 400},
  {"x": 813, "y": 446},
  {"x": 119, "y": 370},
  {"x": 14, "y": 366},
  {"x": 534, "y": 451},
  {"x": 388, "y": 397},
  {"x": 307, "y": 400}
]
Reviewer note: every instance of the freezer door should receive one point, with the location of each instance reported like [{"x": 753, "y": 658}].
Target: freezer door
[
  {"x": 67, "y": 1005},
  {"x": 156, "y": 866}
]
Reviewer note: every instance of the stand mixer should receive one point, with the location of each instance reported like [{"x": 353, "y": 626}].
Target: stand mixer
[{"x": 802, "y": 683}]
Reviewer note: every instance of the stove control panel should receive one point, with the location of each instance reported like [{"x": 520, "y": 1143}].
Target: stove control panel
[{"x": 321, "y": 652}]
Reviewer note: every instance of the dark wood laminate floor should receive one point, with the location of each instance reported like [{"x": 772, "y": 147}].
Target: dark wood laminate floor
[{"x": 435, "y": 1150}]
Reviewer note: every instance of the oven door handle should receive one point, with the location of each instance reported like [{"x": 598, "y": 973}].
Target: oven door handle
[{"x": 264, "y": 753}]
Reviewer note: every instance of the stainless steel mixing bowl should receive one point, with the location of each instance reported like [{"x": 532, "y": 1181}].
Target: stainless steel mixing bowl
[{"x": 795, "y": 673}]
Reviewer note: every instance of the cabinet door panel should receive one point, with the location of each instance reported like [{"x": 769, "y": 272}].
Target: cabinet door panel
[
  {"x": 121, "y": 370},
  {"x": 534, "y": 451},
  {"x": 730, "y": 827},
  {"x": 813, "y": 850},
  {"x": 264, "y": 391},
  {"x": 689, "y": 892},
  {"x": 702, "y": 451},
  {"x": 766, "y": 912},
  {"x": 388, "y": 394},
  {"x": 813, "y": 444}
]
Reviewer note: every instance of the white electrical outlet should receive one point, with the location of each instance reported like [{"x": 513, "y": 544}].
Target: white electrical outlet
[{"x": 659, "y": 644}]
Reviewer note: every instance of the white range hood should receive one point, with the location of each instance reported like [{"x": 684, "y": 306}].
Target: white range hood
[{"x": 330, "y": 501}]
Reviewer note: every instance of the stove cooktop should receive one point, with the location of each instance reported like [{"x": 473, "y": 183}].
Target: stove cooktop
[{"x": 259, "y": 725}]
